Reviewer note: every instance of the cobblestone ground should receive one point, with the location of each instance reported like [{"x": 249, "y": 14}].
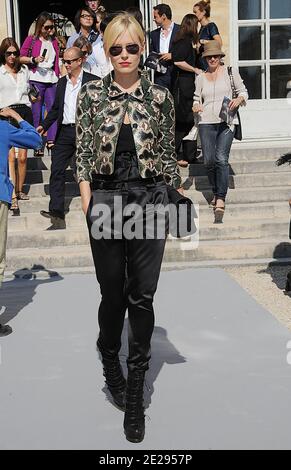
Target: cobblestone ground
[{"x": 266, "y": 285}]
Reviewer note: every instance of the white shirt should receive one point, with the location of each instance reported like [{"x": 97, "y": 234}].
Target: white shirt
[
  {"x": 14, "y": 91},
  {"x": 70, "y": 104},
  {"x": 45, "y": 72},
  {"x": 100, "y": 65},
  {"x": 165, "y": 41}
]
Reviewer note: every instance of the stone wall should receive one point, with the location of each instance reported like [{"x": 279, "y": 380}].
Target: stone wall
[
  {"x": 219, "y": 14},
  {"x": 3, "y": 21}
]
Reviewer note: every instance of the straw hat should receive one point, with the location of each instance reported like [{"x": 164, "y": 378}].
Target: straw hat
[{"x": 212, "y": 48}]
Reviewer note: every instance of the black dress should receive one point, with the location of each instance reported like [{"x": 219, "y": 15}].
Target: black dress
[{"x": 183, "y": 87}]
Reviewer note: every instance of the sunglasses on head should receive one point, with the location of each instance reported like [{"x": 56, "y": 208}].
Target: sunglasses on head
[
  {"x": 49, "y": 27},
  {"x": 130, "y": 48},
  {"x": 69, "y": 62},
  {"x": 9, "y": 53}
]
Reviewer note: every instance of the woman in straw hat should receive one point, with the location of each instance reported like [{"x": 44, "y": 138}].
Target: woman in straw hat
[{"x": 218, "y": 118}]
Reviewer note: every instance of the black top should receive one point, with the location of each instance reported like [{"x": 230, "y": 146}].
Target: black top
[
  {"x": 183, "y": 82},
  {"x": 125, "y": 141},
  {"x": 207, "y": 33},
  {"x": 183, "y": 51}
]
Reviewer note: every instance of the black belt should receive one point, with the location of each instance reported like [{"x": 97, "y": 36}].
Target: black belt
[
  {"x": 69, "y": 125},
  {"x": 117, "y": 184},
  {"x": 18, "y": 106}
]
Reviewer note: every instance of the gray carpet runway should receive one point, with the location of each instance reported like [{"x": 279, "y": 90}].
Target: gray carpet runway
[{"x": 219, "y": 376}]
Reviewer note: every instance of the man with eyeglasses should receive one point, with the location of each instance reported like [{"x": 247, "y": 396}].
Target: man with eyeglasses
[{"x": 63, "y": 111}]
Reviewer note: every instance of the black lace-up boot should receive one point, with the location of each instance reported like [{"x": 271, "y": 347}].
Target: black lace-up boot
[
  {"x": 134, "y": 425},
  {"x": 114, "y": 378}
]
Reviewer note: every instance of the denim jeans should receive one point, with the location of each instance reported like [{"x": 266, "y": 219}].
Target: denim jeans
[{"x": 216, "y": 141}]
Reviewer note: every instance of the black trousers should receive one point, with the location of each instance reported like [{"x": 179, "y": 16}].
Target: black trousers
[
  {"x": 127, "y": 270},
  {"x": 189, "y": 147},
  {"x": 62, "y": 154}
]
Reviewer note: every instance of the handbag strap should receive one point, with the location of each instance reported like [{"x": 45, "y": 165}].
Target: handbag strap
[
  {"x": 33, "y": 41},
  {"x": 234, "y": 92}
]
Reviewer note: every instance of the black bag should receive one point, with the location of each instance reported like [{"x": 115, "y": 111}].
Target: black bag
[
  {"x": 182, "y": 214},
  {"x": 238, "y": 127},
  {"x": 33, "y": 92}
]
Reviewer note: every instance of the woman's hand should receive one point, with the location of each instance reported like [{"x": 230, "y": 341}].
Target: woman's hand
[
  {"x": 39, "y": 59},
  {"x": 40, "y": 130},
  {"x": 167, "y": 56},
  {"x": 235, "y": 103},
  {"x": 197, "y": 108},
  {"x": 198, "y": 71},
  {"x": 85, "y": 205},
  {"x": 8, "y": 112},
  {"x": 181, "y": 190}
]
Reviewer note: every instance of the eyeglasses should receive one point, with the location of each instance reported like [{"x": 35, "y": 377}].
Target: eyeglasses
[
  {"x": 130, "y": 48},
  {"x": 87, "y": 17},
  {"x": 9, "y": 53},
  {"x": 69, "y": 62},
  {"x": 49, "y": 27}
]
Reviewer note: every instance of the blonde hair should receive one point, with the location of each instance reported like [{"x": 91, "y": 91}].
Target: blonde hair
[{"x": 121, "y": 23}]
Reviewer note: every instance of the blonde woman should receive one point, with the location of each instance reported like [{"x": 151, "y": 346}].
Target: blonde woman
[{"x": 125, "y": 149}]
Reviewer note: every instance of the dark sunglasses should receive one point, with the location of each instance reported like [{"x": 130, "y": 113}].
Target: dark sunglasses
[
  {"x": 69, "y": 62},
  {"x": 212, "y": 56},
  {"x": 9, "y": 53},
  {"x": 48, "y": 28},
  {"x": 130, "y": 48}
]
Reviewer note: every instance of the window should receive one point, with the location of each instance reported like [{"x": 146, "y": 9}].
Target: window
[{"x": 264, "y": 47}]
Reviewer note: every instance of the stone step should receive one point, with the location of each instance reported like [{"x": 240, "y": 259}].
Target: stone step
[
  {"x": 238, "y": 168},
  {"x": 241, "y": 154},
  {"x": 245, "y": 194},
  {"x": 78, "y": 235},
  {"x": 176, "y": 252},
  {"x": 241, "y": 174},
  {"x": 43, "y": 176},
  {"x": 234, "y": 214},
  {"x": 248, "y": 180},
  {"x": 42, "y": 189}
]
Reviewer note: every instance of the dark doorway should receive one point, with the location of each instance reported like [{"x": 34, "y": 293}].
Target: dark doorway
[{"x": 29, "y": 10}]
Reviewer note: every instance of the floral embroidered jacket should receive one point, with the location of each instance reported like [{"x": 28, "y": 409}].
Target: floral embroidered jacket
[{"x": 100, "y": 113}]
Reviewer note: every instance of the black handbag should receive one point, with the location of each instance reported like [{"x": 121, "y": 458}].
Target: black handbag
[
  {"x": 238, "y": 127},
  {"x": 182, "y": 214},
  {"x": 33, "y": 92}
]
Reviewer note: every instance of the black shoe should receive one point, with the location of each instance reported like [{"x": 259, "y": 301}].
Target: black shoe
[
  {"x": 57, "y": 224},
  {"x": 52, "y": 215},
  {"x": 5, "y": 330},
  {"x": 134, "y": 425},
  {"x": 114, "y": 378}
]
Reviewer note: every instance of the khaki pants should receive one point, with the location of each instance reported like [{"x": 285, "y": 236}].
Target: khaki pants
[{"x": 3, "y": 237}]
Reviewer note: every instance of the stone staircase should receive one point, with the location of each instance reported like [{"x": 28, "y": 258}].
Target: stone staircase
[{"x": 256, "y": 222}]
